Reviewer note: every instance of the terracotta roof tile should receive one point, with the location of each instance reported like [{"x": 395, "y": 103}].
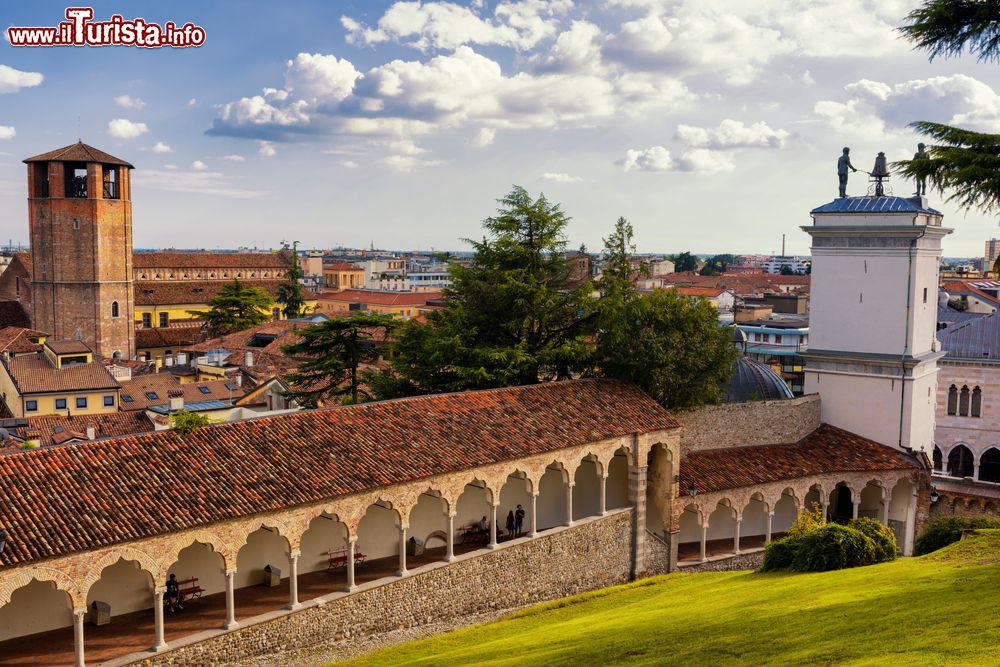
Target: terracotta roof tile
[
  {"x": 375, "y": 297},
  {"x": 139, "y": 486},
  {"x": 17, "y": 340},
  {"x": 210, "y": 260},
  {"x": 161, "y": 384},
  {"x": 56, "y": 429},
  {"x": 168, "y": 292},
  {"x": 34, "y": 374},
  {"x": 168, "y": 336},
  {"x": 828, "y": 449},
  {"x": 78, "y": 152}
]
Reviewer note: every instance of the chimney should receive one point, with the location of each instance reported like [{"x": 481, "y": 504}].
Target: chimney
[
  {"x": 91, "y": 432},
  {"x": 176, "y": 397},
  {"x": 248, "y": 359},
  {"x": 239, "y": 379}
]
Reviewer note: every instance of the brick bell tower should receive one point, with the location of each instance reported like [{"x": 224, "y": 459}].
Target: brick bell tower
[{"x": 80, "y": 218}]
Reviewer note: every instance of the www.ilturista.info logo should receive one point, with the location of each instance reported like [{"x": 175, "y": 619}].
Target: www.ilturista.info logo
[{"x": 80, "y": 30}]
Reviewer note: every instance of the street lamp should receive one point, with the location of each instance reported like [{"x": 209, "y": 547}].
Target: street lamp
[
  {"x": 693, "y": 489},
  {"x": 935, "y": 496}
]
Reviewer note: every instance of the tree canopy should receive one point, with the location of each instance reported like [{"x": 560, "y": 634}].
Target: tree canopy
[
  {"x": 685, "y": 261},
  {"x": 234, "y": 308},
  {"x": 290, "y": 294}
]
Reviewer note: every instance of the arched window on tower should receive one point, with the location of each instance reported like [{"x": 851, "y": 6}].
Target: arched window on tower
[
  {"x": 977, "y": 402},
  {"x": 960, "y": 462},
  {"x": 952, "y": 400},
  {"x": 114, "y": 309},
  {"x": 963, "y": 402}
]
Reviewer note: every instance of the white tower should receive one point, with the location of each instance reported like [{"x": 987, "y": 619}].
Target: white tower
[{"x": 873, "y": 315}]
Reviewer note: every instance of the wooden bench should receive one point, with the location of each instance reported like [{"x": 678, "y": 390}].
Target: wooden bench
[
  {"x": 189, "y": 589},
  {"x": 337, "y": 558},
  {"x": 472, "y": 533}
]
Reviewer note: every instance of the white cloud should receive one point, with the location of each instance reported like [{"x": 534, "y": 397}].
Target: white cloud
[
  {"x": 267, "y": 149},
  {"x": 406, "y": 163},
  {"x": 195, "y": 182},
  {"x": 732, "y": 134},
  {"x": 13, "y": 80},
  {"x": 193, "y": 102},
  {"x": 316, "y": 77},
  {"x": 7, "y": 132},
  {"x": 129, "y": 102},
  {"x": 161, "y": 147},
  {"x": 121, "y": 128},
  {"x": 198, "y": 165},
  {"x": 655, "y": 158},
  {"x": 559, "y": 177},
  {"x": 349, "y": 164},
  {"x": 705, "y": 161},
  {"x": 234, "y": 158},
  {"x": 484, "y": 137},
  {"x": 658, "y": 158},
  {"x": 517, "y": 24}
]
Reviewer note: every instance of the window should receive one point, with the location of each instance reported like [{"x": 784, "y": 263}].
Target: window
[
  {"x": 109, "y": 401},
  {"x": 232, "y": 386},
  {"x": 111, "y": 189},
  {"x": 952, "y": 400},
  {"x": 164, "y": 320},
  {"x": 960, "y": 462},
  {"x": 114, "y": 309},
  {"x": 31, "y": 406},
  {"x": 977, "y": 402},
  {"x": 81, "y": 402},
  {"x": 777, "y": 338},
  {"x": 60, "y": 404},
  {"x": 963, "y": 402},
  {"x": 147, "y": 320},
  {"x": 925, "y": 295},
  {"x": 204, "y": 390},
  {"x": 151, "y": 395},
  {"x": 127, "y": 398}
]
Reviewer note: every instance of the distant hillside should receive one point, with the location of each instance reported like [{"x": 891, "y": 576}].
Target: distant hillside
[{"x": 940, "y": 609}]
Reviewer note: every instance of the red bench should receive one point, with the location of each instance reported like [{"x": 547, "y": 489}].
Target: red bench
[
  {"x": 337, "y": 558},
  {"x": 189, "y": 589}
]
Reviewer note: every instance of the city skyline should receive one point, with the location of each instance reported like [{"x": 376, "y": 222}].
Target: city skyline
[{"x": 712, "y": 128}]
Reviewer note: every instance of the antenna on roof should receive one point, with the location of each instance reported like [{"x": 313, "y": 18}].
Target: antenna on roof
[{"x": 79, "y": 137}]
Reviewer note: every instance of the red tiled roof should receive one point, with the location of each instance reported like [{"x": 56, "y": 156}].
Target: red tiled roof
[
  {"x": 57, "y": 429},
  {"x": 135, "y": 487},
  {"x": 34, "y": 374},
  {"x": 78, "y": 152},
  {"x": 210, "y": 260},
  {"x": 707, "y": 292},
  {"x": 237, "y": 342},
  {"x": 191, "y": 292},
  {"x": 17, "y": 340},
  {"x": 342, "y": 266},
  {"x": 828, "y": 449},
  {"x": 68, "y": 346},
  {"x": 958, "y": 286},
  {"x": 378, "y": 298},
  {"x": 740, "y": 284},
  {"x": 161, "y": 384},
  {"x": 167, "y": 337}
]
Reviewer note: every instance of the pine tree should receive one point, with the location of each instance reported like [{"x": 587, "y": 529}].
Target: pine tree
[
  {"x": 234, "y": 308},
  {"x": 290, "y": 294}
]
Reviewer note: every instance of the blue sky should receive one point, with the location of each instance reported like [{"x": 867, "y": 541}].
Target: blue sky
[{"x": 713, "y": 125}]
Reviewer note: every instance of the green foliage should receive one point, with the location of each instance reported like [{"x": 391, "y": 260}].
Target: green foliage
[
  {"x": 685, "y": 262},
  {"x": 946, "y": 28},
  {"x": 717, "y": 265},
  {"x": 671, "y": 346},
  {"x": 945, "y": 530},
  {"x": 290, "y": 294},
  {"x": 185, "y": 421},
  {"x": 882, "y": 536},
  {"x": 996, "y": 266},
  {"x": 513, "y": 317},
  {"x": 779, "y": 555},
  {"x": 335, "y": 352},
  {"x": 234, "y": 308},
  {"x": 807, "y": 520}
]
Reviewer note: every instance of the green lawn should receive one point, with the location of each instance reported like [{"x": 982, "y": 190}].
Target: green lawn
[{"x": 940, "y": 609}]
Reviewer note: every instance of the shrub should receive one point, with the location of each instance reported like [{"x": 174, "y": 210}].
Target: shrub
[
  {"x": 882, "y": 536},
  {"x": 778, "y": 555},
  {"x": 832, "y": 547},
  {"x": 807, "y": 521},
  {"x": 947, "y": 529}
]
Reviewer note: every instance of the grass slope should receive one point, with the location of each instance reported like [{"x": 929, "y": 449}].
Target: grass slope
[{"x": 940, "y": 609}]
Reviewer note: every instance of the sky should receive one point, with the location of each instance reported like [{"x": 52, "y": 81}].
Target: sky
[{"x": 712, "y": 125}]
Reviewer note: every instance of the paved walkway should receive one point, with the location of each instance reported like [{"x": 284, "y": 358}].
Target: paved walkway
[
  {"x": 130, "y": 633},
  {"x": 688, "y": 552}
]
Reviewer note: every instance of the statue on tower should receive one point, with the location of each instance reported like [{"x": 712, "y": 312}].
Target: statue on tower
[
  {"x": 880, "y": 172},
  {"x": 843, "y": 164},
  {"x": 921, "y": 154}
]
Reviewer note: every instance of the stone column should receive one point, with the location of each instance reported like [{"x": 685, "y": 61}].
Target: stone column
[
  {"x": 855, "y": 507},
  {"x": 885, "y": 509},
  {"x": 534, "y": 515},
  {"x": 675, "y": 538},
  {"x": 704, "y": 539},
  {"x": 493, "y": 527},
  {"x": 975, "y": 470},
  {"x": 351, "y": 542},
  {"x": 911, "y": 518},
  {"x": 569, "y": 505},
  {"x": 767, "y": 535},
  {"x": 230, "y": 601},
  {"x": 449, "y": 554},
  {"x": 159, "y": 643},
  {"x": 402, "y": 572},
  {"x": 293, "y": 580},
  {"x": 78, "y": 615},
  {"x": 736, "y": 536},
  {"x": 637, "y": 496},
  {"x": 604, "y": 495}
]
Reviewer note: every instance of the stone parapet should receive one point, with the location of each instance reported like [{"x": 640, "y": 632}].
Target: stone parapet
[{"x": 750, "y": 423}]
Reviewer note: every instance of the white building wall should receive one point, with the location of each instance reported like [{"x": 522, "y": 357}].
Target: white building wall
[
  {"x": 199, "y": 560},
  {"x": 125, "y": 587},
  {"x": 37, "y": 607}
]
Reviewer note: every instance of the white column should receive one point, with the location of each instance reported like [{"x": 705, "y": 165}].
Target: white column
[
  {"x": 493, "y": 527},
  {"x": 767, "y": 535},
  {"x": 855, "y": 506},
  {"x": 534, "y": 515},
  {"x": 604, "y": 495},
  {"x": 449, "y": 554},
  {"x": 293, "y": 580},
  {"x": 569, "y": 505},
  {"x": 159, "y": 644},
  {"x": 351, "y": 542},
  {"x": 78, "y": 615},
  {"x": 885, "y": 509},
  {"x": 911, "y": 519},
  {"x": 402, "y": 552},
  {"x": 230, "y": 601},
  {"x": 736, "y": 536},
  {"x": 704, "y": 538},
  {"x": 975, "y": 470}
]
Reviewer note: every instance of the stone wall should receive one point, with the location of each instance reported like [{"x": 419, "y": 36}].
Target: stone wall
[
  {"x": 749, "y": 423},
  {"x": 747, "y": 561},
  {"x": 657, "y": 554},
  {"x": 592, "y": 554}
]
